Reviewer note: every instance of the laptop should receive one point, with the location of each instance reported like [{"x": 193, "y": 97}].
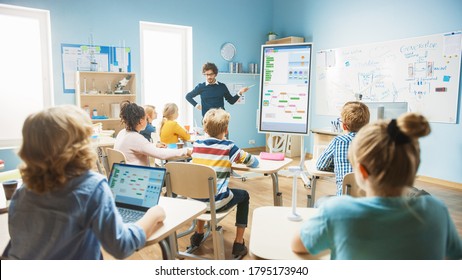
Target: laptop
[{"x": 135, "y": 188}]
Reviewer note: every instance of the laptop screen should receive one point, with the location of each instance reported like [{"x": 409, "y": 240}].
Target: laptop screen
[{"x": 136, "y": 187}]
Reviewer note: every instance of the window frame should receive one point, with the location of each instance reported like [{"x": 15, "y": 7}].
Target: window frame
[{"x": 43, "y": 19}]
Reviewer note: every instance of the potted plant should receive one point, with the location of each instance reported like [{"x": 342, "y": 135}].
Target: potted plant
[{"x": 272, "y": 36}]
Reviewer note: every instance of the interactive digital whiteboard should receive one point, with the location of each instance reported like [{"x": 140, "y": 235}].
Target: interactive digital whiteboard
[{"x": 285, "y": 88}]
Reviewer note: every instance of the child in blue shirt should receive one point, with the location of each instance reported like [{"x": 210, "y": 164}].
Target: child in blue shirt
[
  {"x": 151, "y": 115},
  {"x": 354, "y": 115}
]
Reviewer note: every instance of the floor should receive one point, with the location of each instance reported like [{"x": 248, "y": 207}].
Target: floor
[{"x": 260, "y": 190}]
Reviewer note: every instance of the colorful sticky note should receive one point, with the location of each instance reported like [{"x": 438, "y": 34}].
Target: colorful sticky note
[{"x": 446, "y": 78}]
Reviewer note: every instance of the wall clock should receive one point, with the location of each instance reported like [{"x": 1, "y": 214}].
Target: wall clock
[{"x": 228, "y": 51}]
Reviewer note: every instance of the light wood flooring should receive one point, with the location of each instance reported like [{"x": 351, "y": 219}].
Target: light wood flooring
[{"x": 260, "y": 190}]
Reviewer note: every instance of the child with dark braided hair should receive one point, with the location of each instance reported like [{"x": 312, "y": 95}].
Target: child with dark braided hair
[
  {"x": 386, "y": 224},
  {"x": 133, "y": 145}
]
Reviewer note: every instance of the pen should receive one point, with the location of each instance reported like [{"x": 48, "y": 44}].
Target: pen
[{"x": 251, "y": 86}]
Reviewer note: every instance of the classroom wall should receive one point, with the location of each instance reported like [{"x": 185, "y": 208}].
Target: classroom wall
[
  {"x": 338, "y": 23},
  {"x": 111, "y": 22},
  {"x": 327, "y": 23}
]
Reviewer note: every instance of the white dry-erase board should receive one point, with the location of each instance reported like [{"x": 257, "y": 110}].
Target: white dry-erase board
[
  {"x": 285, "y": 88},
  {"x": 423, "y": 71}
]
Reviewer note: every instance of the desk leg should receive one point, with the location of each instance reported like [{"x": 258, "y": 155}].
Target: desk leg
[
  {"x": 314, "y": 178},
  {"x": 277, "y": 196},
  {"x": 166, "y": 249},
  {"x": 304, "y": 178}
]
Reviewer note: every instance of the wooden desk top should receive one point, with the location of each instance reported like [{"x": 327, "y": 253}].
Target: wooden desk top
[
  {"x": 178, "y": 212},
  {"x": 272, "y": 233},
  {"x": 105, "y": 141},
  {"x": 266, "y": 166},
  {"x": 326, "y": 131},
  {"x": 310, "y": 166}
]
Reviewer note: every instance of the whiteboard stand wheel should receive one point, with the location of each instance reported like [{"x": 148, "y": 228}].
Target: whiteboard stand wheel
[{"x": 243, "y": 179}]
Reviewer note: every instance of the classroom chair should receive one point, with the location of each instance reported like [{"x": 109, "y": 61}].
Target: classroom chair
[
  {"x": 114, "y": 156},
  {"x": 198, "y": 181},
  {"x": 349, "y": 186},
  {"x": 314, "y": 174}
]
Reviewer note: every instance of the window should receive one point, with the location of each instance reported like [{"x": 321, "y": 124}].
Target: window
[
  {"x": 25, "y": 75},
  {"x": 166, "y": 67}
]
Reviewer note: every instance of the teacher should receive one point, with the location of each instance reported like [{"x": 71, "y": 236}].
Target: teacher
[{"x": 211, "y": 91}]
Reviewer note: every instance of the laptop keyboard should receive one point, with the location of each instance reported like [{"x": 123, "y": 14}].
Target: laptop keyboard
[{"x": 129, "y": 215}]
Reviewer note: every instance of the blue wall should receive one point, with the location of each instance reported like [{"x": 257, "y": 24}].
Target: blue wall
[
  {"x": 326, "y": 23},
  {"x": 337, "y": 23},
  {"x": 244, "y": 23}
]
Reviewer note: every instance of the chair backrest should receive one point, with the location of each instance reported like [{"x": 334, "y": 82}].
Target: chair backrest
[
  {"x": 191, "y": 180},
  {"x": 350, "y": 187},
  {"x": 114, "y": 156},
  {"x": 318, "y": 150}
]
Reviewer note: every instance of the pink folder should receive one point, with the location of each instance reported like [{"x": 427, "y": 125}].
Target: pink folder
[{"x": 272, "y": 156}]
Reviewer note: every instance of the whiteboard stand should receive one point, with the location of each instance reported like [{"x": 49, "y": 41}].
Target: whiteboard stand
[
  {"x": 294, "y": 216},
  {"x": 302, "y": 162}
]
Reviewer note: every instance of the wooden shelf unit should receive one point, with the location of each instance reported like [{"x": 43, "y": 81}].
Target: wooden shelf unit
[
  {"x": 286, "y": 40},
  {"x": 95, "y": 90}
]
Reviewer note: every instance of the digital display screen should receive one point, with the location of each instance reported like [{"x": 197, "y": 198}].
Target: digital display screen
[{"x": 285, "y": 88}]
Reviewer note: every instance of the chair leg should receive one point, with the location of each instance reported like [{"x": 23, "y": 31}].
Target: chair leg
[
  {"x": 308, "y": 200},
  {"x": 218, "y": 243},
  {"x": 189, "y": 230}
]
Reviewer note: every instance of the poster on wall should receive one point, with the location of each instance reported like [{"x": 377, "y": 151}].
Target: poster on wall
[
  {"x": 422, "y": 71},
  {"x": 92, "y": 58}
]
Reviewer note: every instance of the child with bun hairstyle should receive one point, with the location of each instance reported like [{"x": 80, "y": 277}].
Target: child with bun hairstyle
[{"x": 386, "y": 224}]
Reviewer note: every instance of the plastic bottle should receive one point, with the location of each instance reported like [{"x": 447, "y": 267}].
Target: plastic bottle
[{"x": 87, "y": 109}]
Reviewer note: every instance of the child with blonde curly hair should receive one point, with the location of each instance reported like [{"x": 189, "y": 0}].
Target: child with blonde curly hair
[{"x": 64, "y": 210}]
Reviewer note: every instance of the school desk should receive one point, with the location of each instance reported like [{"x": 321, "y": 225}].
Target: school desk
[
  {"x": 266, "y": 167},
  {"x": 179, "y": 212},
  {"x": 322, "y": 138},
  {"x": 272, "y": 233}
]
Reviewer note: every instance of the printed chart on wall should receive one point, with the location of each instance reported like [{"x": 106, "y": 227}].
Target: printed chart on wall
[
  {"x": 422, "y": 71},
  {"x": 92, "y": 58}
]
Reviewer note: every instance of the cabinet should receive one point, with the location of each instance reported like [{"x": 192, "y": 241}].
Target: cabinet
[{"x": 95, "y": 92}]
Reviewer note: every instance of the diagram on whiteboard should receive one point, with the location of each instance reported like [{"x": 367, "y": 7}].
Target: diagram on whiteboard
[
  {"x": 423, "y": 71},
  {"x": 284, "y": 94}
]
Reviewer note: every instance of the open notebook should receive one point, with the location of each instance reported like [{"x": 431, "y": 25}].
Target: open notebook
[{"x": 136, "y": 189}]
